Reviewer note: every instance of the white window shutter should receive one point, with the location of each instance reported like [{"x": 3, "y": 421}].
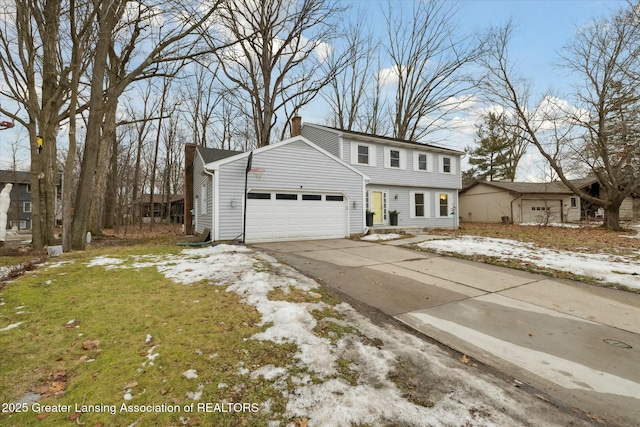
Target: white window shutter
[
  {"x": 354, "y": 152},
  {"x": 403, "y": 159},
  {"x": 412, "y": 204},
  {"x": 429, "y": 162},
  {"x": 387, "y": 157},
  {"x": 372, "y": 155}
]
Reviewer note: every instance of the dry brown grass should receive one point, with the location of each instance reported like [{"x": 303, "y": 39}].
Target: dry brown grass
[
  {"x": 145, "y": 231},
  {"x": 585, "y": 239}
]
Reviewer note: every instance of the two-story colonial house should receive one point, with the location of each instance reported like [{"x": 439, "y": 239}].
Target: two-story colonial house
[
  {"x": 318, "y": 184},
  {"x": 419, "y": 181}
]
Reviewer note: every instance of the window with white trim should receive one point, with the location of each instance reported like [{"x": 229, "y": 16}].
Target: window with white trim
[
  {"x": 419, "y": 204},
  {"x": 447, "y": 165},
  {"x": 422, "y": 161},
  {"x": 363, "y": 154},
  {"x": 395, "y": 158},
  {"x": 444, "y": 204},
  {"x": 574, "y": 202},
  {"x": 26, "y": 207}
]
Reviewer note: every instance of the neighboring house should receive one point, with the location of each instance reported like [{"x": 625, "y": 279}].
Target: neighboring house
[
  {"x": 420, "y": 181},
  {"x": 295, "y": 191},
  {"x": 535, "y": 202},
  {"x": 174, "y": 210},
  {"x": 519, "y": 202},
  {"x": 19, "y": 215}
]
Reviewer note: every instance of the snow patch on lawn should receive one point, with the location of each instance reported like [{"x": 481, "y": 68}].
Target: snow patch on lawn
[
  {"x": 379, "y": 237},
  {"x": 606, "y": 268},
  {"x": 12, "y": 326},
  {"x": 191, "y": 373},
  {"x": 105, "y": 261},
  {"x": 320, "y": 392}
]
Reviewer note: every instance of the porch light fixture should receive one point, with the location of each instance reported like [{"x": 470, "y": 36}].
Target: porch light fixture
[
  {"x": 233, "y": 203},
  {"x": 396, "y": 197},
  {"x": 354, "y": 204}
]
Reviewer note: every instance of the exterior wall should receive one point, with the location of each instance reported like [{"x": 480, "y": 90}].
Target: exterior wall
[
  {"x": 326, "y": 139},
  {"x": 626, "y": 209},
  {"x": 380, "y": 174},
  {"x": 201, "y": 180},
  {"x": 483, "y": 203},
  {"x": 403, "y": 204},
  {"x": 294, "y": 166}
]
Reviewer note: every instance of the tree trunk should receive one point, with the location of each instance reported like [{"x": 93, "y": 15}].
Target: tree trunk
[
  {"x": 94, "y": 126},
  {"x": 612, "y": 217},
  {"x": 98, "y": 198},
  {"x": 111, "y": 202}
]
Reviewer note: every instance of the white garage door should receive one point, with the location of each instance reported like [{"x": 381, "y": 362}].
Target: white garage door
[
  {"x": 280, "y": 216},
  {"x": 541, "y": 211}
]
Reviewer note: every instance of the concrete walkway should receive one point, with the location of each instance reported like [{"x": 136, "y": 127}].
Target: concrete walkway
[{"x": 579, "y": 343}]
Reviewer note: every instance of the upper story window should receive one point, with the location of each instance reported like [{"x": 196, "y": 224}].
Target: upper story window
[
  {"x": 27, "y": 188},
  {"x": 395, "y": 158},
  {"x": 363, "y": 154},
  {"x": 26, "y": 207},
  {"x": 422, "y": 161},
  {"x": 447, "y": 164}
]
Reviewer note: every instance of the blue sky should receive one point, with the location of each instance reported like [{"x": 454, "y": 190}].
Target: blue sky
[{"x": 542, "y": 28}]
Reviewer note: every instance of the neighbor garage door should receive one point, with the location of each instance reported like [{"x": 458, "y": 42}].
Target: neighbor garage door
[
  {"x": 279, "y": 216},
  {"x": 541, "y": 211}
]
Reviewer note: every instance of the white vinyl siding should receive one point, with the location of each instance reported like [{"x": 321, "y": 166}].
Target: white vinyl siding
[
  {"x": 422, "y": 162},
  {"x": 290, "y": 168},
  {"x": 395, "y": 158},
  {"x": 419, "y": 204},
  {"x": 363, "y": 154},
  {"x": 204, "y": 197}
]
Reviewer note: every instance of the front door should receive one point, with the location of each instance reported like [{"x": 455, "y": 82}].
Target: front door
[{"x": 377, "y": 207}]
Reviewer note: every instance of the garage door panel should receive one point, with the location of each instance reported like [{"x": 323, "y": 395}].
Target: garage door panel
[
  {"x": 541, "y": 211},
  {"x": 280, "y": 218}
]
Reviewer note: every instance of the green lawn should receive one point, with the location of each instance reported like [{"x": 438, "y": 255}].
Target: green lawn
[{"x": 95, "y": 336}]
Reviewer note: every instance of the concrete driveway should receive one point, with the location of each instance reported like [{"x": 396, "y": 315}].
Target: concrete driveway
[{"x": 579, "y": 343}]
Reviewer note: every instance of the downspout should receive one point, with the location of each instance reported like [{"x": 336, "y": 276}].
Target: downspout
[{"x": 214, "y": 205}]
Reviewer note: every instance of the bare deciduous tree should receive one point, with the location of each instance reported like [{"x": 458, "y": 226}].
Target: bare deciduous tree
[
  {"x": 427, "y": 56},
  {"x": 601, "y": 129},
  {"x": 172, "y": 45},
  {"x": 280, "y": 48}
]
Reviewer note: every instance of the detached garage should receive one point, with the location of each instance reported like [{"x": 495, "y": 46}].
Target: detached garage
[{"x": 295, "y": 190}]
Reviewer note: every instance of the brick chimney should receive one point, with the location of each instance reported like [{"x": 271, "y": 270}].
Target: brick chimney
[
  {"x": 296, "y": 124},
  {"x": 189, "y": 157}
]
